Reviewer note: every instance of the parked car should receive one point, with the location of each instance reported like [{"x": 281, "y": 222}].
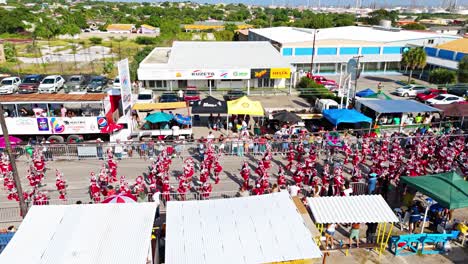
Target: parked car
[
  {"x": 431, "y": 93},
  {"x": 445, "y": 99},
  {"x": 410, "y": 90},
  {"x": 233, "y": 95},
  {"x": 97, "y": 84},
  {"x": 51, "y": 84},
  {"x": 191, "y": 95},
  {"x": 116, "y": 83},
  {"x": 30, "y": 84},
  {"x": 145, "y": 96},
  {"x": 9, "y": 85},
  {"x": 75, "y": 83},
  {"x": 168, "y": 97},
  {"x": 329, "y": 84},
  {"x": 458, "y": 89}
]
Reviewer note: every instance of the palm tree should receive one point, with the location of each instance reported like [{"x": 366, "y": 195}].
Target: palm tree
[{"x": 413, "y": 59}]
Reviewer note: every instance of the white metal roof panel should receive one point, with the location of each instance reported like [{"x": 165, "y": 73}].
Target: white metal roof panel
[
  {"x": 238, "y": 230},
  {"x": 352, "y": 33},
  {"x": 94, "y": 233},
  {"x": 351, "y": 209}
]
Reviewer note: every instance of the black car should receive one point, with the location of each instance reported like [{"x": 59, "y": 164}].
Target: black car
[
  {"x": 458, "y": 89},
  {"x": 97, "y": 84},
  {"x": 233, "y": 95},
  {"x": 168, "y": 97}
]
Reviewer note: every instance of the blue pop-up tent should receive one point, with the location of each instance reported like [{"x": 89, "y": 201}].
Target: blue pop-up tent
[
  {"x": 337, "y": 116},
  {"x": 366, "y": 92}
]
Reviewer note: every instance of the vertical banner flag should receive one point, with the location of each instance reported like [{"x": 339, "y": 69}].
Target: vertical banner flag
[{"x": 125, "y": 86}]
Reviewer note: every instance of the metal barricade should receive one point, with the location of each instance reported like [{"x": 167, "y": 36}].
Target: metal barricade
[{"x": 10, "y": 214}]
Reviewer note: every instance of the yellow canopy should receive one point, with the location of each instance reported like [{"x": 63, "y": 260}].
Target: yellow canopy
[
  {"x": 159, "y": 106},
  {"x": 245, "y": 106}
]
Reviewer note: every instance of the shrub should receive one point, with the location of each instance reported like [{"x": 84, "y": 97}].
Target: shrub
[
  {"x": 146, "y": 40},
  {"x": 442, "y": 76},
  {"x": 95, "y": 40}
]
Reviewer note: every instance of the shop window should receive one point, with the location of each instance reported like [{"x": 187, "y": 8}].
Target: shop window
[
  {"x": 266, "y": 83},
  {"x": 161, "y": 84},
  {"x": 151, "y": 84},
  {"x": 327, "y": 67}
]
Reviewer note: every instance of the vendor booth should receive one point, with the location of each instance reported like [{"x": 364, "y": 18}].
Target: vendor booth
[
  {"x": 351, "y": 116},
  {"x": 85, "y": 233},
  {"x": 365, "y": 92},
  {"x": 458, "y": 111},
  {"x": 161, "y": 119},
  {"x": 397, "y": 113},
  {"x": 209, "y": 105},
  {"x": 256, "y": 229},
  {"x": 355, "y": 209},
  {"x": 378, "y": 95},
  {"x": 245, "y": 106},
  {"x": 445, "y": 191}
]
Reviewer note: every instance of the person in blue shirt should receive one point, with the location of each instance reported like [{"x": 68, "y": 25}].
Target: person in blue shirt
[{"x": 372, "y": 182}]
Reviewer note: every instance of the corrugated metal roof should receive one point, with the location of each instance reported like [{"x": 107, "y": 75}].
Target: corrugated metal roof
[
  {"x": 92, "y": 233},
  {"x": 351, "y": 209},
  {"x": 460, "y": 45},
  {"x": 255, "y": 229},
  {"x": 397, "y": 106}
]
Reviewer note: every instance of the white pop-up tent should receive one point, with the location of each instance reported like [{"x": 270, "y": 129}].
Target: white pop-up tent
[
  {"x": 256, "y": 229},
  {"x": 83, "y": 234}
]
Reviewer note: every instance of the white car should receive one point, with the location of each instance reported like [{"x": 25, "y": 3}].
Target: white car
[
  {"x": 116, "y": 83},
  {"x": 51, "y": 84},
  {"x": 9, "y": 85},
  {"x": 145, "y": 96},
  {"x": 410, "y": 90},
  {"x": 444, "y": 99}
]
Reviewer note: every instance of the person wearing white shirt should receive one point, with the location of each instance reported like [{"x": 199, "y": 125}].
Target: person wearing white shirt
[{"x": 293, "y": 190}]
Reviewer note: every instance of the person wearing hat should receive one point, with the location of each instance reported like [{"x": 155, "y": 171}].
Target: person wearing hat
[{"x": 371, "y": 183}]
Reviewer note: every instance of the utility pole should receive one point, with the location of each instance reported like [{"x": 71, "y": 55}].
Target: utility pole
[
  {"x": 19, "y": 189},
  {"x": 313, "y": 53},
  {"x": 358, "y": 68}
]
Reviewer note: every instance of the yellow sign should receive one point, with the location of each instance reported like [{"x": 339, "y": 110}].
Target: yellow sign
[{"x": 280, "y": 73}]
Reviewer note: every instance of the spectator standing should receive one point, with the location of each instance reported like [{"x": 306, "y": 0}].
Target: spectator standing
[
  {"x": 329, "y": 236},
  {"x": 63, "y": 111},
  {"x": 180, "y": 93},
  {"x": 372, "y": 182},
  {"x": 118, "y": 149},
  {"x": 370, "y": 232},
  {"x": 294, "y": 190},
  {"x": 354, "y": 234},
  {"x": 99, "y": 148}
]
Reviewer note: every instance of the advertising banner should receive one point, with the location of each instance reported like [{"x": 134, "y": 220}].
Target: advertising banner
[
  {"x": 260, "y": 73},
  {"x": 280, "y": 73},
  {"x": 205, "y": 74},
  {"x": 73, "y": 125},
  {"x": 125, "y": 86}
]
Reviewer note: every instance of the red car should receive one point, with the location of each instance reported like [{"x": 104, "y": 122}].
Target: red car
[
  {"x": 431, "y": 93},
  {"x": 191, "y": 95},
  {"x": 330, "y": 84}
]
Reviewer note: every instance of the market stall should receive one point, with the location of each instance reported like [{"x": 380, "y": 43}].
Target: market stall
[
  {"x": 245, "y": 106},
  {"x": 351, "y": 116},
  {"x": 209, "y": 105},
  {"x": 458, "y": 111}
]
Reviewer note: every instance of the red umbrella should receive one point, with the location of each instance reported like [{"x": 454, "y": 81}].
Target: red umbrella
[
  {"x": 120, "y": 198},
  {"x": 111, "y": 128},
  {"x": 13, "y": 141}
]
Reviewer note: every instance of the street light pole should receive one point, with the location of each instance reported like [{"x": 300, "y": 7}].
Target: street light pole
[
  {"x": 19, "y": 189},
  {"x": 313, "y": 53},
  {"x": 358, "y": 67}
]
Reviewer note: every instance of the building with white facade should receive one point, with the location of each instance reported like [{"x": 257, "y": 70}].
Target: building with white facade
[
  {"x": 213, "y": 65},
  {"x": 380, "y": 46}
]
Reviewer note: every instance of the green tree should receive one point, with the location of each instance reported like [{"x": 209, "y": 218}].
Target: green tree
[
  {"x": 142, "y": 40},
  {"x": 414, "y": 26},
  {"x": 463, "y": 70},
  {"x": 376, "y": 16},
  {"x": 95, "y": 40},
  {"x": 108, "y": 68},
  {"x": 442, "y": 76},
  {"x": 230, "y": 27},
  {"x": 413, "y": 59},
  {"x": 224, "y": 35},
  {"x": 9, "y": 51},
  {"x": 70, "y": 29}
]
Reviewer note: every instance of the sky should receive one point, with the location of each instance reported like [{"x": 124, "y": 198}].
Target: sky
[{"x": 429, "y": 3}]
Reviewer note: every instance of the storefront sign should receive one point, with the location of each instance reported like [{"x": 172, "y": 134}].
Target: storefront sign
[
  {"x": 280, "y": 73},
  {"x": 260, "y": 73},
  {"x": 199, "y": 74}
]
